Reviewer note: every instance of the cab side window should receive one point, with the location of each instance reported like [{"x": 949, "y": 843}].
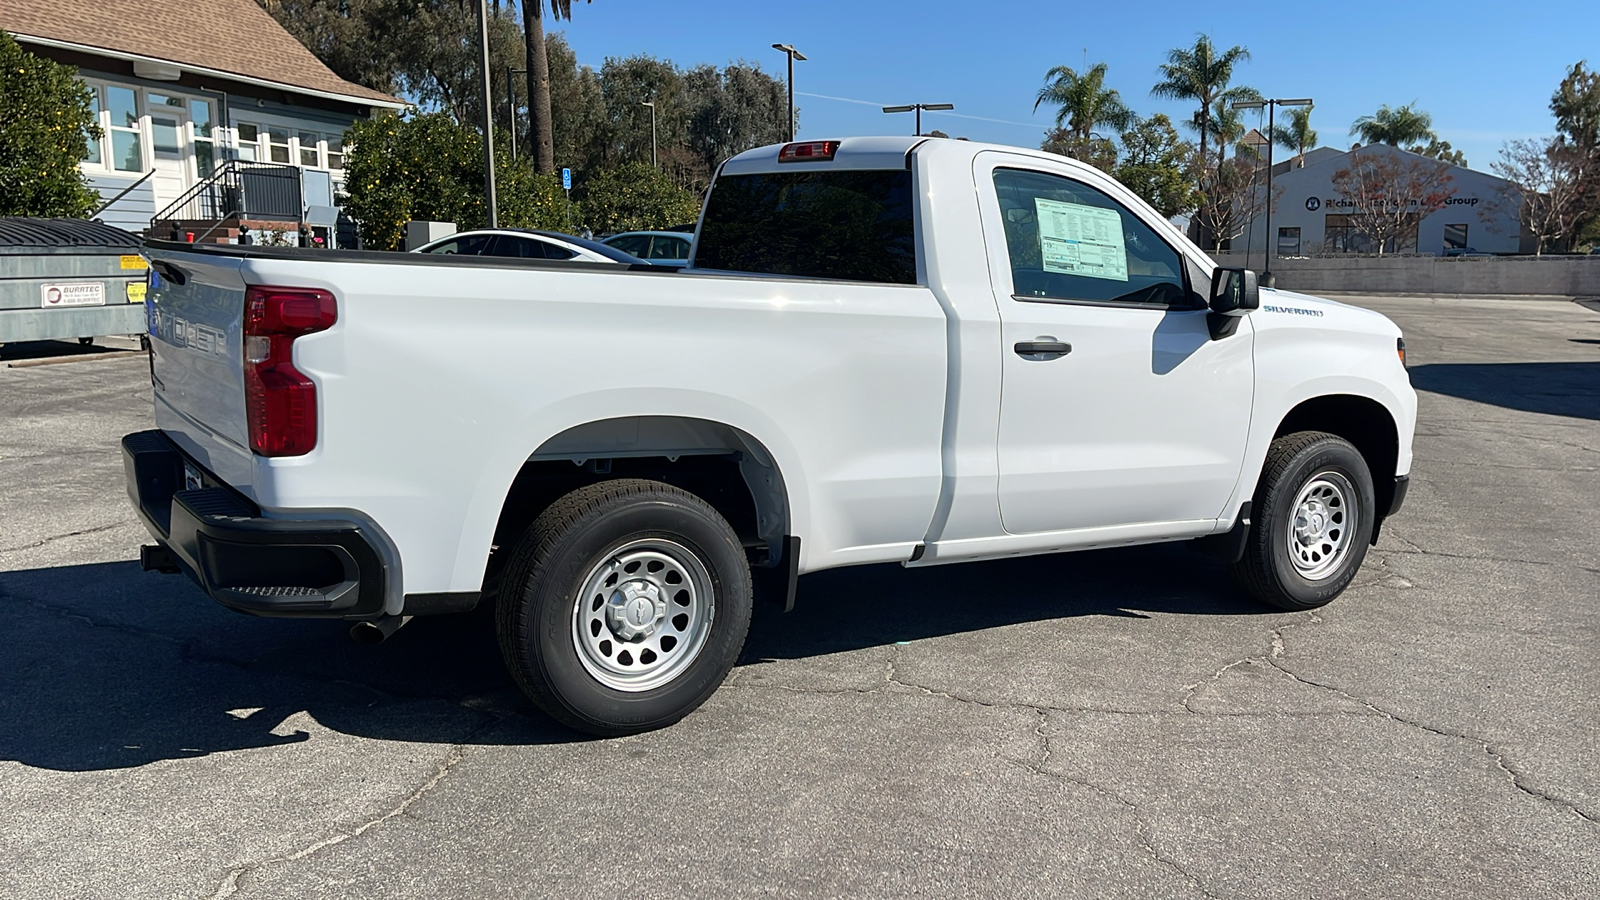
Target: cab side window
[{"x": 1069, "y": 242}]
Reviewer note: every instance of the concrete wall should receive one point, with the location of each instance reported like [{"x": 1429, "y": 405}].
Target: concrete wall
[{"x": 1566, "y": 276}]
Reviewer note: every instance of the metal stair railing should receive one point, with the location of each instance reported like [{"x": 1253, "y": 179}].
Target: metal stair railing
[{"x": 238, "y": 189}]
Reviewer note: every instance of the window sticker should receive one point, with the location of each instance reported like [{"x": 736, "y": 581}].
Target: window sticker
[{"x": 1081, "y": 240}]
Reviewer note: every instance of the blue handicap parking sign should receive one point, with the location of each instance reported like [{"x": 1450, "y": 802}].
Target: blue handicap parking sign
[{"x": 566, "y": 179}]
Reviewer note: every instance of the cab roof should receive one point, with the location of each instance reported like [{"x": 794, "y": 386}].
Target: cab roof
[{"x": 873, "y": 152}]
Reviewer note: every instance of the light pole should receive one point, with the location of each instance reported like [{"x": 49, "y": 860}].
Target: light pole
[
  {"x": 652, "y": 105},
  {"x": 1267, "y": 278},
  {"x": 511, "y": 105},
  {"x": 488, "y": 113},
  {"x": 919, "y": 107},
  {"x": 793, "y": 54}
]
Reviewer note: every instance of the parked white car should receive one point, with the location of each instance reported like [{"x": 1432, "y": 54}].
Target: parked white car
[
  {"x": 904, "y": 350},
  {"x": 520, "y": 243}
]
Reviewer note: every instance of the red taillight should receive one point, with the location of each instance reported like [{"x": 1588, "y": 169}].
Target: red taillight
[
  {"x": 810, "y": 151},
  {"x": 280, "y": 401}
]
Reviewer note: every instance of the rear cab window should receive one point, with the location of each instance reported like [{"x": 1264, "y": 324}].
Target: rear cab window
[{"x": 855, "y": 225}]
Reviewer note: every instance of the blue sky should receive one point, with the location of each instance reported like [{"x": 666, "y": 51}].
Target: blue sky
[{"x": 1484, "y": 72}]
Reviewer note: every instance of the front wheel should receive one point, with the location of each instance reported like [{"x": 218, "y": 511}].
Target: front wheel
[
  {"x": 624, "y": 606},
  {"x": 1313, "y": 515}
]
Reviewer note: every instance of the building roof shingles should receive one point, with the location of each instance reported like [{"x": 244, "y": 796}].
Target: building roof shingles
[{"x": 233, "y": 36}]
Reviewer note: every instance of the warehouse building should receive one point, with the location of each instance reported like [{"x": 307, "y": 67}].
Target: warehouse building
[{"x": 1311, "y": 217}]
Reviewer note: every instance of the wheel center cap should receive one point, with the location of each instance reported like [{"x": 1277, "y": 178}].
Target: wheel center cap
[{"x": 634, "y": 609}]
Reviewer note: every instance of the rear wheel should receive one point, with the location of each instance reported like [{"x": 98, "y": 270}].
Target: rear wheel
[
  {"x": 1313, "y": 514},
  {"x": 624, "y": 606}
]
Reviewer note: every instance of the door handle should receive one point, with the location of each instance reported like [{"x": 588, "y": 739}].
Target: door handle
[{"x": 1042, "y": 350}]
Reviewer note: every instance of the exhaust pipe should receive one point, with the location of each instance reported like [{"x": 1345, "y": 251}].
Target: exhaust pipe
[{"x": 377, "y": 631}]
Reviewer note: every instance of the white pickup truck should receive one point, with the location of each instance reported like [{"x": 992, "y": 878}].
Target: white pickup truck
[{"x": 906, "y": 350}]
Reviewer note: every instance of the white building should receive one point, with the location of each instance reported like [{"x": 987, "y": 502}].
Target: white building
[
  {"x": 182, "y": 85},
  {"x": 1311, "y": 217}
]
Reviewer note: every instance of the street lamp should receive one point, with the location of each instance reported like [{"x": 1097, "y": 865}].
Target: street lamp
[
  {"x": 793, "y": 54},
  {"x": 919, "y": 107},
  {"x": 1267, "y": 279},
  {"x": 511, "y": 105},
  {"x": 652, "y": 105},
  {"x": 488, "y": 113}
]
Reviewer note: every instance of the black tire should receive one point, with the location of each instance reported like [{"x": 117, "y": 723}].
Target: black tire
[
  {"x": 541, "y": 621},
  {"x": 1285, "y": 571}
]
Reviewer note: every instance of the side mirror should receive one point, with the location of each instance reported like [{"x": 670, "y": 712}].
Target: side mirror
[{"x": 1234, "y": 292}]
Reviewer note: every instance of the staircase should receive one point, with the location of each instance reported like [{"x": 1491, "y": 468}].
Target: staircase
[{"x": 262, "y": 197}]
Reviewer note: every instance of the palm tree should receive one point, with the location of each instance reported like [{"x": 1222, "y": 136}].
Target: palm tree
[
  {"x": 1395, "y": 127},
  {"x": 539, "y": 119},
  {"x": 1086, "y": 103},
  {"x": 1200, "y": 73},
  {"x": 1296, "y": 134}
]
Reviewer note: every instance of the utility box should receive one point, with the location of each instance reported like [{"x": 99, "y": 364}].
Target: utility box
[
  {"x": 69, "y": 278},
  {"x": 419, "y": 233}
]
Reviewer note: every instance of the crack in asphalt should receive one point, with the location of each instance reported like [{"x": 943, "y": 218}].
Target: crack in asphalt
[
  {"x": 230, "y": 882},
  {"x": 56, "y": 537},
  {"x": 1144, "y": 825},
  {"x": 1517, "y": 778},
  {"x": 1504, "y": 559}
]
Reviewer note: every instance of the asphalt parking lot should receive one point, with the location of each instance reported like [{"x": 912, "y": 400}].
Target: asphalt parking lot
[{"x": 1105, "y": 724}]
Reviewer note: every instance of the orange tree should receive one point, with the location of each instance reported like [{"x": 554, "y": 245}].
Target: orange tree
[{"x": 45, "y": 126}]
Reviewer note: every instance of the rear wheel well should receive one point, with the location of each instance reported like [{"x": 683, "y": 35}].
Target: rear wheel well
[
  {"x": 1363, "y": 422},
  {"x": 721, "y": 465}
]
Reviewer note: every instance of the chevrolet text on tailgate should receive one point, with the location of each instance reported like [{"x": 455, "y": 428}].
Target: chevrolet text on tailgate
[{"x": 884, "y": 349}]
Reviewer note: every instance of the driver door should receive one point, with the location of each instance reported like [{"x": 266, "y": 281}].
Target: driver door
[{"x": 1117, "y": 408}]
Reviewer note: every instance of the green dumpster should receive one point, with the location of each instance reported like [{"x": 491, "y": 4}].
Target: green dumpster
[{"x": 68, "y": 278}]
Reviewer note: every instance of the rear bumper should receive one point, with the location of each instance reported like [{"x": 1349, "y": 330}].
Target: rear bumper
[{"x": 311, "y": 568}]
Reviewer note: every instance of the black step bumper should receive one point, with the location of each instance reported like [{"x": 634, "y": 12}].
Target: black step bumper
[{"x": 315, "y": 568}]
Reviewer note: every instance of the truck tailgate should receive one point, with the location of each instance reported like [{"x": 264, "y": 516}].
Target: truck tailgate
[{"x": 196, "y": 317}]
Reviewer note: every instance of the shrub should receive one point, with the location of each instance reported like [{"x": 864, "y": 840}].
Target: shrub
[
  {"x": 635, "y": 197},
  {"x": 430, "y": 167},
  {"x": 45, "y": 125}
]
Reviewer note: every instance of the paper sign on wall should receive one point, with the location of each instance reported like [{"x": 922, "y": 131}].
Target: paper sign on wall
[{"x": 1081, "y": 240}]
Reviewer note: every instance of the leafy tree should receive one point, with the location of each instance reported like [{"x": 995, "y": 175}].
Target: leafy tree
[
  {"x": 1576, "y": 106},
  {"x": 1442, "y": 151},
  {"x": 733, "y": 111},
  {"x": 1389, "y": 193},
  {"x": 1157, "y": 165},
  {"x": 1552, "y": 176},
  {"x": 581, "y": 131},
  {"x": 1397, "y": 127},
  {"x": 635, "y": 196},
  {"x": 1228, "y": 199},
  {"x": 424, "y": 49},
  {"x": 540, "y": 119},
  {"x": 45, "y": 126},
  {"x": 1296, "y": 134},
  {"x": 1084, "y": 101},
  {"x": 1201, "y": 73},
  {"x": 1095, "y": 150},
  {"x": 430, "y": 167}
]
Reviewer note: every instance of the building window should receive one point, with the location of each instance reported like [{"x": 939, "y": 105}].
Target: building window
[
  {"x": 1340, "y": 235},
  {"x": 1289, "y": 241},
  {"x": 94, "y": 157},
  {"x": 165, "y": 115},
  {"x": 205, "y": 156},
  {"x": 249, "y": 141},
  {"x": 127, "y": 153},
  {"x": 335, "y": 151},
  {"x": 1455, "y": 237},
  {"x": 308, "y": 149},
  {"x": 277, "y": 144}
]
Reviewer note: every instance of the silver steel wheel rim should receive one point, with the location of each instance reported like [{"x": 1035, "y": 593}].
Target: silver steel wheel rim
[
  {"x": 1322, "y": 523},
  {"x": 643, "y": 615}
]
